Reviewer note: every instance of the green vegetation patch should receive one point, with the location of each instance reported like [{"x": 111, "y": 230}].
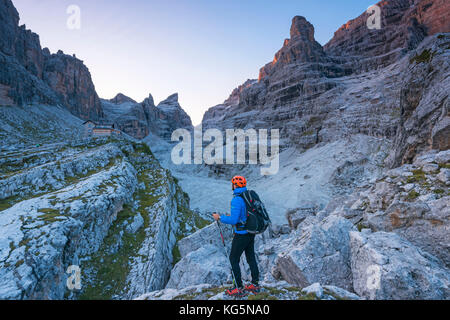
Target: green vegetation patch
[
  {"x": 413, "y": 194},
  {"x": 10, "y": 168},
  {"x": 19, "y": 263},
  {"x": 8, "y": 202},
  {"x": 142, "y": 148},
  {"x": 50, "y": 215},
  {"x": 211, "y": 292},
  {"x": 309, "y": 296},
  {"x": 187, "y": 296},
  {"x": 424, "y": 57},
  {"x": 418, "y": 176},
  {"x": 186, "y": 217},
  {"x": 77, "y": 178},
  {"x": 111, "y": 269},
  {"x": 308, "y": 133},
  {"x": 262, "y": 296},
  {"x": 274, "y": 291},
  {"x": 334, "y": 295},
  {"x": 107, "y": 270}
]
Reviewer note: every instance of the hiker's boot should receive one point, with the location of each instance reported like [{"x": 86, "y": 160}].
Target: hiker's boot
[
  {"x": 252, "y": 288},
  {"x": 236, "y": 293}
]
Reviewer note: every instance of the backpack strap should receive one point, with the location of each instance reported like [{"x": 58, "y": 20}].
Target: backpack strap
[
  {"x": 247, "y": 196},
  {"x": 240, "y": 226}
]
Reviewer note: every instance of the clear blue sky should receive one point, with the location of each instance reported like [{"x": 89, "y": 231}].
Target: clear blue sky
[{"x": 201, "y": 49}]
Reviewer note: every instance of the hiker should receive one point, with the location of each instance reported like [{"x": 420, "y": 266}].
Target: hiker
[{"x": 243, "y": 241}]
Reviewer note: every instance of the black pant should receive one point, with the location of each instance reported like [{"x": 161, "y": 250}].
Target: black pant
[{"x": 241, "y": 243}]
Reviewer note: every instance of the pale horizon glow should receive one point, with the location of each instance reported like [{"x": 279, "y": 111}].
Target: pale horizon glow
[{"x": 201, "y": 49}]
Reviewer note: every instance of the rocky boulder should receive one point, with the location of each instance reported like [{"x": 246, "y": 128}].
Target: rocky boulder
[
  {"x": 298, "y": 215},
  {"x": 207, "y": 264},
  {"x": 203, "y": 258},
  {"x": 385, "y": 266},
  {"x": 321, "y": 253},
  {"x": 323, "y": 292},
  {"x": 209, "y": 235},
  {"x": 411, "y": 200}
]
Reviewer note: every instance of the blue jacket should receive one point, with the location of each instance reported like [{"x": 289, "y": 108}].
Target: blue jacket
[{"x": 238, "y": 211}]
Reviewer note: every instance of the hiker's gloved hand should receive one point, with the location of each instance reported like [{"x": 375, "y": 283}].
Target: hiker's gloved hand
[{"x": 216, "y": 216}]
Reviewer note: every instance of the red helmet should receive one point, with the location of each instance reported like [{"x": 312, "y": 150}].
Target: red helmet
[{"x": 239, "y": 181}]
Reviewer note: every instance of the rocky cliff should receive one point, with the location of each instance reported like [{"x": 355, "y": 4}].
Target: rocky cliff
[
  {"x": 29, "y": 74},
  {"x": 404, "y": 24},
  {"x": 359, "y": 205},
  {"x": 387, "y": 83},
  {"x": 140, "y": 119},
  {"x": 89, "y": 203},
  {"x": 66, "y": 199},
  {"x": 380, "y": 96},
  {"x": 390, "y": 233}
]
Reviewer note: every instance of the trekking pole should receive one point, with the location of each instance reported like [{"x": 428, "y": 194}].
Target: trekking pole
[{"x": 226, "y": 252}]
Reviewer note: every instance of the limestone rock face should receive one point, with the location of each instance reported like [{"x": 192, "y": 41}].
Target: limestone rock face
[
  {"x": 300, "y": 48},
  {"x": 411, "y": 201},
  {"x": 424, "y": 120},
  {"x": 40, "y": 247},
  {"x": 385, "y": 266},
  {"x": 151, "y": 267},
  {"x": 388, "y": 83},
  {"x": 128, "y": 115},
  {"x": 121, "y": 98},
  {"x": 404, "y": 23},
  {"x": 72, "y": 82},
  {"x": 83, "y": 202},
  {"x": 203, "y": 258},
  {"x": 32, "y": 75},
  {"x": 170, "y": 117},
  {"x": 205, "y": 265},
  {"x": 208, "y": 235},
  {"x": 140, "y": 119},
  {"x": 235, "y": 95},
  {"x": 18, "y": 42},
  {"x": 320, "y": 254}
]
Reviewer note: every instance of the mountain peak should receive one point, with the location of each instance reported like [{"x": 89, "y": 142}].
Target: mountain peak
[
  {"x": 149, "y": 101},
  {"x": 302, "y": 28},
  {"x": 121, "y": 98},
  {"x": 172, "y": 98},
  {"x": 300, "y": 48}
]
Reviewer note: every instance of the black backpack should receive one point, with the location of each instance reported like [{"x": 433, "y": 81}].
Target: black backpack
[{"x": 257, "y": 217}]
